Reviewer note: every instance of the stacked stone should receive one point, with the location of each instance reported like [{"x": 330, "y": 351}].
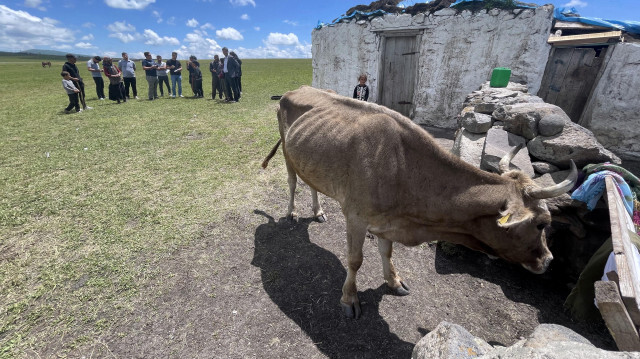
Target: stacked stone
[{"x": 494, "y": 120}]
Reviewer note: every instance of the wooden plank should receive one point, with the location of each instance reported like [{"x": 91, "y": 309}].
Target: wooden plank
[
  {"x": 613, "y": 311},
  {"x": 628, "y": 269},
  {"x": 570, "y": 25},
  {"x": 596, "y": 38},
  {"x": 580, "y": 74},
  {"x": 557, "y": 73}
]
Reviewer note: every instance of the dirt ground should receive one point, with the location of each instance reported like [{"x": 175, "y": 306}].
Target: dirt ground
[{"x": 259, "y": 286}]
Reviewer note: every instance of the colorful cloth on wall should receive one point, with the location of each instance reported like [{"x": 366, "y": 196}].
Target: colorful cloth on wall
[{"x": 628, "y": 185}]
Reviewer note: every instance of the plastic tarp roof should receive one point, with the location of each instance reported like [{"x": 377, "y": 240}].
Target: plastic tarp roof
[{"x": 570, "y": 14}]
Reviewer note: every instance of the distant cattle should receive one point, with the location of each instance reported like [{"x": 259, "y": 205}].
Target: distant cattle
[
  {"x": 392, "y": 179},
  {"x": 46, "y": 63}
]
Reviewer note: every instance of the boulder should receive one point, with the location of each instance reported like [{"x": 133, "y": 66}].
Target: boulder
[
  {"x": 449, "y": 340},
  {"x": 500, "y": 142},
  {"x": 544, "y": 167},
  {"x": 468, "y": 146},
  {"x": 548, "y": 341},
  {"x": 475, "y": 122},
  {"x": 523, "y": 118},
  {"x": 574, "y": 142},
  {"x": 551, "y": 124}
]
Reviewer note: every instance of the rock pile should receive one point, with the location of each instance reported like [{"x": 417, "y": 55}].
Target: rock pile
[
  {"x": 494, "y": 120},
  {"x": 550, "y": 341}
]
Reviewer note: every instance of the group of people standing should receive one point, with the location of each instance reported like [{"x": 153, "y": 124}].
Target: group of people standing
[{"x": 226, "y": 78}]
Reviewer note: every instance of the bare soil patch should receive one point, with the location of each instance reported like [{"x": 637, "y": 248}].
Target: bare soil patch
[{"x": 259, "y": 286}]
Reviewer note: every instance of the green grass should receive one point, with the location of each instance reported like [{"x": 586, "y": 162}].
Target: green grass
[{"x": 89, "y": 200}]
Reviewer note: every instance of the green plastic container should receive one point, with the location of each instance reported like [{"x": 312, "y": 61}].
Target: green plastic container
[{"x": 500, "y": 77}]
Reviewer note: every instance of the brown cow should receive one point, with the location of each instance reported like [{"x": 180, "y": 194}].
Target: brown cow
[
  {"x": 46, "y": 63},
  {"x": 392, "y": 179}
]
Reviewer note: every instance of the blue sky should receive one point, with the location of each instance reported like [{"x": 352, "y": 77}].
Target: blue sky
[{"x": 253, "y": 28}]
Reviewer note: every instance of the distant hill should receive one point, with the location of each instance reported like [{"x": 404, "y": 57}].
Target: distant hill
[
  {"x": 40, "y": 55},
  {"x": 49, "y": 53}
]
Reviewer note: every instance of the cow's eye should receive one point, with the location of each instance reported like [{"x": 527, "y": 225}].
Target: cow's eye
[{"x": 541, "y": 226}]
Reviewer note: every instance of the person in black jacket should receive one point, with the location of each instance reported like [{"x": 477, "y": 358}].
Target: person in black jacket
[
  {"x": 72, "y": 69},
  {"x": 361, "y": 92},
  {"x": 239, "y": 78},
  {"x": 231, "y": 68}
]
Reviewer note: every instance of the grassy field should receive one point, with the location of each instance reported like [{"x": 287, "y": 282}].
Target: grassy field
[{"x": 89, "y": 200}]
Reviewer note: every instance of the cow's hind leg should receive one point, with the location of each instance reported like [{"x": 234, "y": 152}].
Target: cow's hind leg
[
  {"x": 356, "y": 230},
  {"x": 292, "y": 181},
  {"x": 395, "y": 283},
  {"x": 318, "y": 213}
]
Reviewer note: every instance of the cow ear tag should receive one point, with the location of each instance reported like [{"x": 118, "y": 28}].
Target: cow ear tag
[{"x": 504, "y": 219}]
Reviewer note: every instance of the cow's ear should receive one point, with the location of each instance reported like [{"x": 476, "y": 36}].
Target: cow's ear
[{"x": 508, "y": 219}]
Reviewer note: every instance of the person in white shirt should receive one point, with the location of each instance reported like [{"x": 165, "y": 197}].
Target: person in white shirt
[
  {"x": 96, "y": 72},
  {"x": 162, "y": 75}
]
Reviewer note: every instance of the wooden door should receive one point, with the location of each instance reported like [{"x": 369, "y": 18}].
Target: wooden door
[
  {"x": 399, "y": 59},
  {"x": 569, "y": 77}
]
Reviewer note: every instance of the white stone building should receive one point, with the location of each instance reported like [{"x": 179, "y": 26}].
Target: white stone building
[{"x": 424, "y": 66}]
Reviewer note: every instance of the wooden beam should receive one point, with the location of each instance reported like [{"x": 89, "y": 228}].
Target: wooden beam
[
  {"x": 585, "y": 39},
  {"x": 623, "y": 249},
  {"x": 571, "y": 25},
  {"x": 615, "y": 315}
]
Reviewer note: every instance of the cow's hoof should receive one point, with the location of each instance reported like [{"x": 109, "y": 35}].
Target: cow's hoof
[
  {"x": 321, "y": 218},
  {"x": 402, "y": 290},
  {"x": 351, "y": 311}
]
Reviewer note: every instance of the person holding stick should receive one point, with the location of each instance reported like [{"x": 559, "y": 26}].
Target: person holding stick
[{"x": 72, "y": 69}]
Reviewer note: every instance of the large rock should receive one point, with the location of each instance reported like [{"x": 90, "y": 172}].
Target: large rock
[
  {"x": 522, "y": 119},
  {"x": 544, "y": 167},
  {"x": 548, "y": 341},
  {"x": 468, "y": 146},
  {"x": 475, "y": 122},
  {"x": 499, "y": 143},
  {"x": 574, "y": 142},
  {"x": 449, "y": 340}
]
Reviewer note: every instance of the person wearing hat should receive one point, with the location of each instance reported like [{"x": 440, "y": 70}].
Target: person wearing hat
[
  {"x": 96, "y": 73},
  {"x": 72, "y": 69}
]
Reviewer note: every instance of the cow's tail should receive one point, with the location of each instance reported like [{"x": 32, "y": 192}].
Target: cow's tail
[{"x": 265, "y": 163}]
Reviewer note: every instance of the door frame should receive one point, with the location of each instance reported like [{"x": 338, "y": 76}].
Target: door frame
[{"x": 384, "y": 34}]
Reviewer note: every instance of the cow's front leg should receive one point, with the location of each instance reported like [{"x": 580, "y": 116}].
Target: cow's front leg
[
  {"x": 318, "y": 213},
  {"x": 385, "y": 247},
  {"x": 356, "y": 230},
  {"x": 292, "y": 180}
]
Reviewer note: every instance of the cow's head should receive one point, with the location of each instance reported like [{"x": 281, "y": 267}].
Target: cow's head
[{"x": 518, "y": 230}]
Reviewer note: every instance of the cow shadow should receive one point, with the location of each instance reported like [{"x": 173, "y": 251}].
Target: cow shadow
[{"x": 305, "y": 281}]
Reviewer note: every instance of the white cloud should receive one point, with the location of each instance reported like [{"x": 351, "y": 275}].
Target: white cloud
[
  {"x": 207, "y": 26},
  {"x": 111, "y": 54},
  {"x": 298, "y": 51},
  {"x": 154, "y": 39},
  {"x": 576, "y": 3},
  {"x": 257, "y": 28},
  {"x": 87, "y": 37},
  {"x": 244, "y": 17},
  {"x": 157, "y": 15},
  {"x": 129, "y": 4},
  {"x": 20, "y": 30},
  {"x": 35, "y": 4},
  {"x": 192, "y": 23},
  {"x": 290, "y": 22},
  {"x": 171, "y": 20},
  {"x": 62, "y": 47},
  {"x": 229, "y": 33},
  {"x": 124, "y": 37},
  {"x": 242, "y": 2},
  {"x": 121, "y": 26},
  {"x": 84, "y": 45},
  {"x": 88, "y": 25},
  {"x": 276, "y": 38},
  {"x": 198, "y": 44}
]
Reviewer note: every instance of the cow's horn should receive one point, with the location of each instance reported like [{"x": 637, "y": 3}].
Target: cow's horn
[
  {"x": 558, "y": 189},
  {"x": 504, "y": 162}
]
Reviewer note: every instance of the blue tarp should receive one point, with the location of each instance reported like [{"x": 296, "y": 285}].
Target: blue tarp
[{"x": 564, "y": 14}]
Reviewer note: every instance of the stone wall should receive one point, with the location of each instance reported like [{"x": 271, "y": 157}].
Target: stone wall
[
  {"x": 612, "y": 113},
  {"x": 457, "y": 51}
]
